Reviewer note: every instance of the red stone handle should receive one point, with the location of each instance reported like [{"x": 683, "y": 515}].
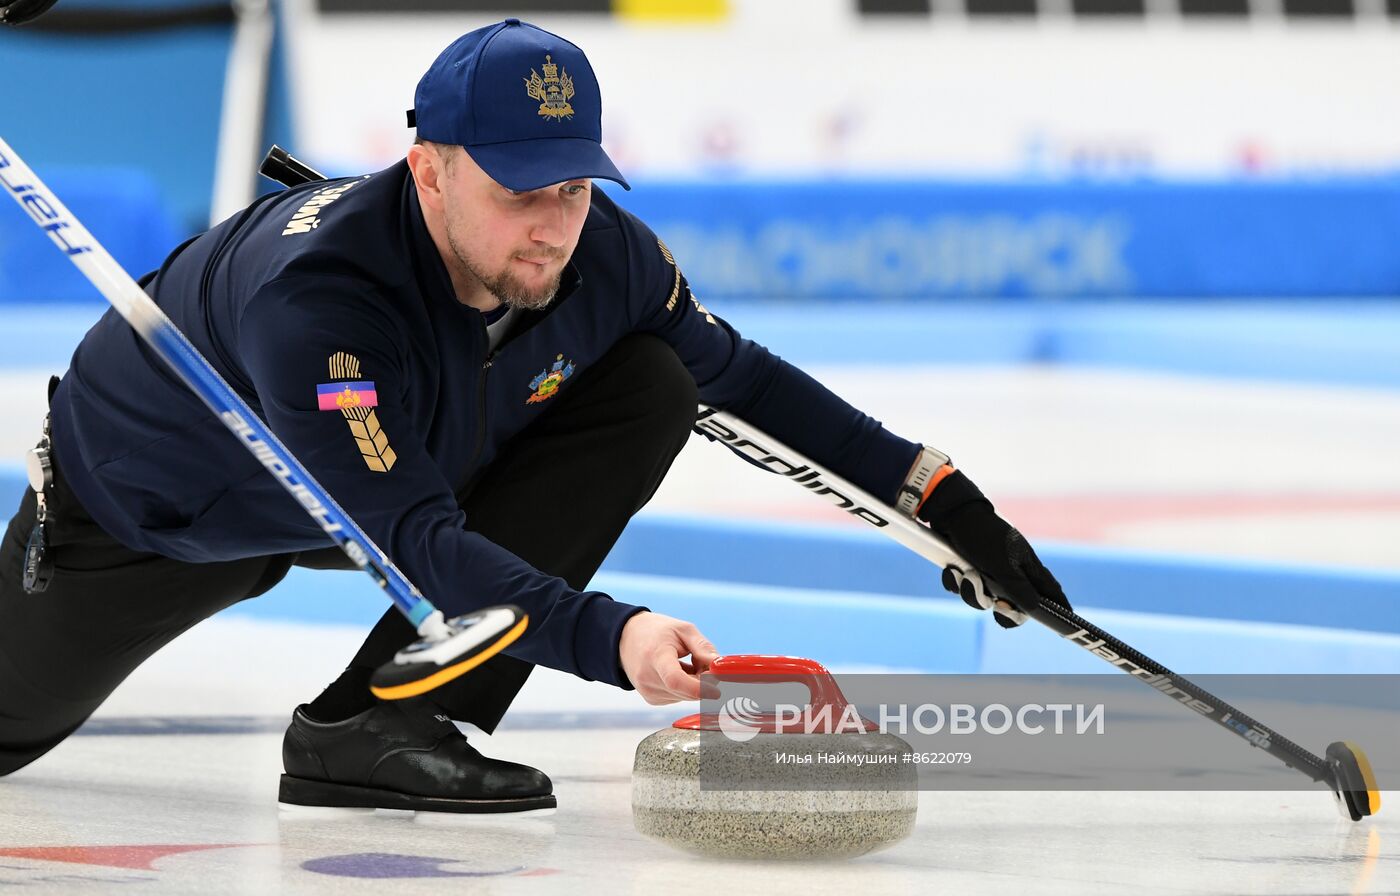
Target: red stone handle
[
  {"x": 759, "y": 668},
  {"x": 822, "y": 690}
]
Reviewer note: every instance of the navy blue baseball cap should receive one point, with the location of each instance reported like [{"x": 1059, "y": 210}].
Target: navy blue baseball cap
[{"x": 523, "y": 103}]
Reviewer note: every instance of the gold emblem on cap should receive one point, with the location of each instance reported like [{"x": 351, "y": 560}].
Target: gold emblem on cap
[{"x": 553, "y": 91}]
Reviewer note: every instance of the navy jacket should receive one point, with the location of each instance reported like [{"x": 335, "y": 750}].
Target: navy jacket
[{"x": 337, "y": 286}]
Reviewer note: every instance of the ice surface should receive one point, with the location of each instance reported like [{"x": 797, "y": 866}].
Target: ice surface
[{"x": 1241, "y": 469}]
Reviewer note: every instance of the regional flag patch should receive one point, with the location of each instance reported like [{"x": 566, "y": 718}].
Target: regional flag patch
[{"x": 343, "y": 396}]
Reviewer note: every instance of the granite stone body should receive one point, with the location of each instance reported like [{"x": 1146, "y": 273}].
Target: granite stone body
[{"x": 776, "y": 796}]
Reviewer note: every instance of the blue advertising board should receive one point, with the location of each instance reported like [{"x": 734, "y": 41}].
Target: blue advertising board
[{"x": 861, "y": 239}]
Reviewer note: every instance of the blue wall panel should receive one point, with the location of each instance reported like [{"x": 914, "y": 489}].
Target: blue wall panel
[
  {"x": 123, "y": 209},
  {"x": 149, "y": 102}
]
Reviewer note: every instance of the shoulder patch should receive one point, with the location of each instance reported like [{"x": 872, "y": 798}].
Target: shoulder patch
[{"x": 356, "y": 399}]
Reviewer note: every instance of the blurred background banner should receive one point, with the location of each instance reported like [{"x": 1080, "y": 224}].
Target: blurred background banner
[
  {"x": 789, "y": 149},
  {"x": 891, "y": 239}
]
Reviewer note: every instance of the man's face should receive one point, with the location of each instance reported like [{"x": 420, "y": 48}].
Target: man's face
[{"x": 514, "y": 244}]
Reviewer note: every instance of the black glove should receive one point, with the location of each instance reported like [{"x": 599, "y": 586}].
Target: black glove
[
  {"x": 14, "y": 12},
  {"x": 960, "y": 514}
]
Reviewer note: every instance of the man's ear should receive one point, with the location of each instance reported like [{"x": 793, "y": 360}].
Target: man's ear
[{"x": 428, "y": 168}]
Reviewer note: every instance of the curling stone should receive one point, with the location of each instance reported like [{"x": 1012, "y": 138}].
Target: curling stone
[{"x": 714, "y": 783}]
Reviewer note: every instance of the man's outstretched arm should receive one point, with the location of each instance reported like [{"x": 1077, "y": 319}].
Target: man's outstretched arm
[{"x": 744, "y": 378}]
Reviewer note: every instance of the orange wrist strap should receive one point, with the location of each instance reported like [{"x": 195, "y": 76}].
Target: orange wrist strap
[
  {"x": 930, "y": 468},
  {"x": 939, "y": 475}
]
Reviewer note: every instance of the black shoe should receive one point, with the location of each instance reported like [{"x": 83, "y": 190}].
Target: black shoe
[{"x": 391, "y": 758}]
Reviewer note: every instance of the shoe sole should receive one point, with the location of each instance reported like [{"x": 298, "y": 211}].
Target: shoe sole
[
  {"x": 528, "y": 819},
  {"x": 302, "y": 793}
]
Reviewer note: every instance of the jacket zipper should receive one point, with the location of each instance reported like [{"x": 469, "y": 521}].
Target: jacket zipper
[
  {"x": 491, "y": 354},
  {"x": 481, "y": 409}
]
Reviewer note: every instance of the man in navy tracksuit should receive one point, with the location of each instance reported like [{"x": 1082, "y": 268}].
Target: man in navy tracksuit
[{"x": 490, "y": 366}]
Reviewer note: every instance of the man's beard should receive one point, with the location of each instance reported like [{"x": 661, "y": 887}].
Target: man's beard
[{"x": 507, "y": 287}]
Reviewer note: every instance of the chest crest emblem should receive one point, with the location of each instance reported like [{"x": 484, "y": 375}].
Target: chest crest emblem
[{"x": 547, "y": 383}]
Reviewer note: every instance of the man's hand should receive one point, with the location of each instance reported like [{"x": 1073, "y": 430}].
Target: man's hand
[
  {"x": 652, "y": 648},
  {"x": 959, "y": 512}
]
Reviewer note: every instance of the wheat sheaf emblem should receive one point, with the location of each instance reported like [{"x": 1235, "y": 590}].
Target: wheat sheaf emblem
[{"x": 364, "y": 423}]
